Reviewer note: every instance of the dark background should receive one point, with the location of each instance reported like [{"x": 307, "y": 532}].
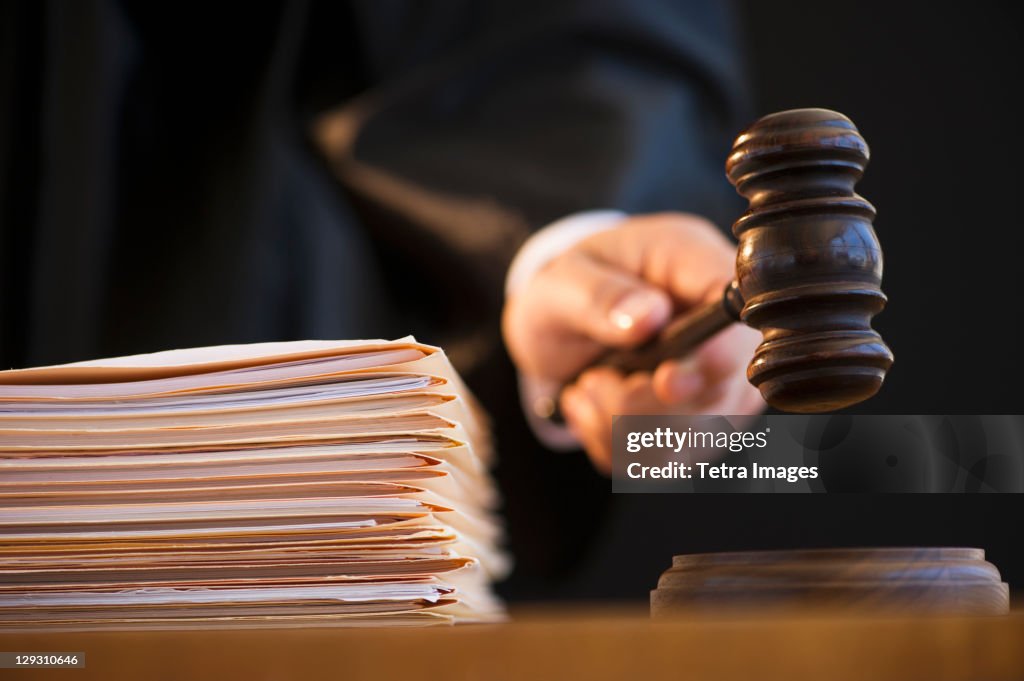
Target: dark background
[{"x": 935, "y": 89}]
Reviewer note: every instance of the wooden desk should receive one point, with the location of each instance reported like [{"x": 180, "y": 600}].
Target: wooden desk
[{"x": 582, "y": 646}]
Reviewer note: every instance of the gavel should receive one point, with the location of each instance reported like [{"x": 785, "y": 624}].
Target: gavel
[{"x": 808, "y": 268}]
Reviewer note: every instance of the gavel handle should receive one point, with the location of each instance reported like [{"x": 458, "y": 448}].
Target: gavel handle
[{"x": 678, "y": 339}]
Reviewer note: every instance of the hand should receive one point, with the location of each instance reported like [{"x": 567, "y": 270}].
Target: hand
[{"x": 616, "y": 289}]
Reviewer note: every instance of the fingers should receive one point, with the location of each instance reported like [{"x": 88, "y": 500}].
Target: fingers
[
  {"x": 712, "y": 381},
  {"x": 600, "y": 394},
  {"x": 703, "y": 378},
  {"x": 586, "y": 421}
]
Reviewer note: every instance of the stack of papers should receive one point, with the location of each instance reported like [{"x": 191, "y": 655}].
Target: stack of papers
[{"x": 277, "y": 484}]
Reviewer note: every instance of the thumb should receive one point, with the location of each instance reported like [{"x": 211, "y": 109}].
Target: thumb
[
  {"x": 601, "y": 302},
  {"x": 575, "y": 308}
]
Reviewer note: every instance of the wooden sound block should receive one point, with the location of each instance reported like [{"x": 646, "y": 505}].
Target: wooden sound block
[{"x": 947, "y": 581}]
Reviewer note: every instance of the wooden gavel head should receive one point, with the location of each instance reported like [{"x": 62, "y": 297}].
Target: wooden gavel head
[{"x": 809, "y": 266}]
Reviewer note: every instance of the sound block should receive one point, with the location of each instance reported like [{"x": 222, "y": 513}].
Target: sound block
[{"x": 946, "y": 581}]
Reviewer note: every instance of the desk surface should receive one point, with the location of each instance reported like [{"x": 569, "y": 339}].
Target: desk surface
[{"x": 581, "y": 645}]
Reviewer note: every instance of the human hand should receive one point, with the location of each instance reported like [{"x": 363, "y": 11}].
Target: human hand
[{"x": 616, "y": 289}]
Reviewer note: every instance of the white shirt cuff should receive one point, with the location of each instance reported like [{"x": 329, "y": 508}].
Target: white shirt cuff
[{"x": 538, "y": 395}]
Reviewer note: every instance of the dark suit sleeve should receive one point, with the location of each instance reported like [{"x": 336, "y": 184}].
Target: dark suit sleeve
[{"x": 482, "y": 121}]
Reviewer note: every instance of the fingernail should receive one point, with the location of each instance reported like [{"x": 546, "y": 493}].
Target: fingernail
[
  {"x": 686, "y": 381},
  {"x": 635, "y": 308}
]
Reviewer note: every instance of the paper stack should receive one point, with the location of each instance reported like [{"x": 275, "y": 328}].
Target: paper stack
[{"x": 281, "y": 484}]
